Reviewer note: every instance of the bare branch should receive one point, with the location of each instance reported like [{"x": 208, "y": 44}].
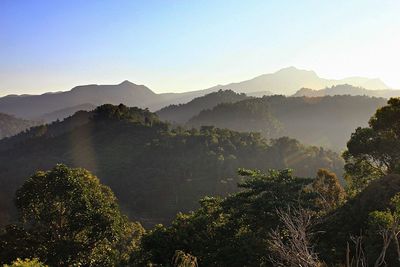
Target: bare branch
[{"x": 290, "y": 244}]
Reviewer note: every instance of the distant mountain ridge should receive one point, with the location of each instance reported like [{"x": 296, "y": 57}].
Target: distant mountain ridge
[
  {"x": 326, "y": 121},
  {"x": 347, "y": 89},
  {"x": 183, "y": 112},
  {"x": 10, "y": 125},
  {"x": 285, "y": 81},
  {"x": 38, "y": 105},
  {"x": 65, "y": 112}
]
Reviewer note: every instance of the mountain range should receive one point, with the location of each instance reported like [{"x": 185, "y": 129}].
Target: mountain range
[
  {"x": 326, "y": 121},
  {"x": 285, "y": 81},
  {"x": 347, "y": 89},
  {"x": 288, "y": 80}
]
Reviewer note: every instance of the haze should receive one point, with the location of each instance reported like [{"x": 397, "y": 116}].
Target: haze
[{"x": 175, "y": 46}]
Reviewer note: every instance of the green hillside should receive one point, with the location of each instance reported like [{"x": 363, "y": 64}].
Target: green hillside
[
  {"x": 154, "y": 170},
  {"x": 322, "y": 121}
]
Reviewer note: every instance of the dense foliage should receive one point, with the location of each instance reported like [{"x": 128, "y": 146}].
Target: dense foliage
[
  {"x": 274, "y": 217},
  {"x": 232, "y": 231},
  {"x": 323, "y": 121},
  {"x": 183, "y": 112},
  {"x": 25, "y": 263},
  {"x": 242, "y": 116},
  {"x": 375, "y": 150},
  {"x": 67, "y": 218},
  {"x": 154, "y": 170}
]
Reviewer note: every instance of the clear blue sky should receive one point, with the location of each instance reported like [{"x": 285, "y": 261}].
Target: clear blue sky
[{"x": 185, "y": 45}]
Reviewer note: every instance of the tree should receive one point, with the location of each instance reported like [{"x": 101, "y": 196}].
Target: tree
[
  {"x": 182, "y": 259},
  {"x": 380, "y": 245},
  {"x": 330, "y": 192},
  {"x": 26, "y": 263},
  {"x": 232, "y": 231},
  {"x": 387, "y": 225},
  {"x": 375, "y": 150},
  {"x": 291, "y": 244},
  {"x": 67, "y": 217}
]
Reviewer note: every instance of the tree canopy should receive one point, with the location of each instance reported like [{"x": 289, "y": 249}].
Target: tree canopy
[
  {"x": 67, "y": 217},
  {"x": 322, "y": 121},
  {"x": 155, "y": 170},
  {"x": 232, "y": 231},
  {"x": 374, "y": 151}
]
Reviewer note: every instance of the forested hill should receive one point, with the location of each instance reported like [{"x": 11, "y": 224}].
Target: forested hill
[
  {"x": 183, "y": 112},
  {"x": 347, "y": 89},
  {"x": 322, "y": 121},
  {"x": 154, "y": 170},
  {"x": 10, "y": 125},
  {"x": 65, "y": 112}
]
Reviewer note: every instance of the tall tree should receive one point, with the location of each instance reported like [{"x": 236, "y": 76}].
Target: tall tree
[
  {"x": 330, "y": 192},
  {"x": 67, "y": 217},
  {"x": 375, "y": 150}
]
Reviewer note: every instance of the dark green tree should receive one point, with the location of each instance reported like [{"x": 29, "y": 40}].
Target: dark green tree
[
  {"x": 68, "y": 218},
  {"x": 374, "y": 151},
  {"x": 330, "y": 193},
  {"x": 232, "y": 231},
  {"x": 26, "y": 263}
]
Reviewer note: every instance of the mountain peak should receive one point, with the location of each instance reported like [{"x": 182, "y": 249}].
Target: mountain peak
[
  {"x": 126, "y": 82},
  {"x": 290, "y": 68},
  {"x": 293, "y": 70}
]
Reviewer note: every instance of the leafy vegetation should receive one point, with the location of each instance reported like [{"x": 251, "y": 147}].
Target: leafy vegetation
[
  {"x": 275, "y": 217},
  {"x": 25, "y": 263},
  {"x": 154, "y": 170},
  {"x": 181, "y": 113},
  {"x": 67, "y": 218},
  {"x": 232, "y": 231},
  {"x": 322, "y": 121},
  {"x": 374, "y": 151},
  {"x": 242, "y": 116}
]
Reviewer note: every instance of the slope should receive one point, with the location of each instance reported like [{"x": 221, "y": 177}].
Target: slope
[
  {"x": 154, "y": 171},
  {"x": 346, "y": 89},
  {"x": 321, "y": 121},
  {"x": 183, "y": 112},
  {"x": 10, "y": 125}
]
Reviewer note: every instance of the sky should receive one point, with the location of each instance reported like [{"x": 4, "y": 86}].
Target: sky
[{"x": 175, "y": 46}]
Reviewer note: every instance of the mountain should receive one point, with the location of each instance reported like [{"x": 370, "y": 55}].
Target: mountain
[
  {"x": 286, "y": 81},
  {"x": 347, "y": 89},
  {"x": 10, "y": 125},
  {"x": 65, "y": 112},
  {"x": 33, "y": 106},
  {"x": 322, "y": 121},
  {"x": 155, "y": 171},
  {"x": 248, "y": 115},
  {"x": 183, "y": 112}
]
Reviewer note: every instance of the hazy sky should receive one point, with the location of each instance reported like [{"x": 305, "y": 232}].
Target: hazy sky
[{"x": 186, "y": 45}]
